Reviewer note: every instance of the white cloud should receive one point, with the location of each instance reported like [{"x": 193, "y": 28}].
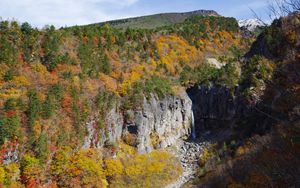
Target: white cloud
[{"x": 63, "y": 12}]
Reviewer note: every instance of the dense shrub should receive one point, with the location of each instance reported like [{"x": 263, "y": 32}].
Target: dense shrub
[
  {"x": 41, "y": 148},
  {"x": 53, "y": 100},
  {"x": 12, "y": 175},
  {"x": 156, "y": 169},
  {"x": 204, "y": 74},
  {"x": 197, "y": 27},
  {"x": 81, "y": 168},
  {"x": 51, "y": 46},
  {"x": 105, "y": 102},
  {"x": 12, "y": 104},
  {"x": 228, "y": 76},
  {"x": 10, "y": 127},
  {"x": 9, "y": 75},
  {"x": 159, "y": 86},
  {"x": 257, "y": 68},
  {"x": 34, "y": 110},
  {"x": 30, "y": 169},
  {"x": 8, "y": 49},
  {"x": 134, "y": 97}
]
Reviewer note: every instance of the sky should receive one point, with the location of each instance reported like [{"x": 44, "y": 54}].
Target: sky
[{"x": 80, "y": 12}]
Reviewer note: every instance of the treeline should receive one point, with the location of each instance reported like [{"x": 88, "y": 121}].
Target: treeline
[
  {"x": 199, "y": 27},
  {"x": 205, "y": 74}
]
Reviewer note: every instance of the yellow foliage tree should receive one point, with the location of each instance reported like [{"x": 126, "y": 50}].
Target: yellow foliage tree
[
  {"x": 82, "y": 169},
  {"x": 39, "y": 68},
  {"x": 156, "y": 169},
  {"x": 2, "y": 176},
  {"x": 109, "y": 83},
  {"x": 113, "y": 168},
  {"x": 21, "y": 81},
  {"x": 12, "y": 174},
  {"x": 31, "y": 170}
]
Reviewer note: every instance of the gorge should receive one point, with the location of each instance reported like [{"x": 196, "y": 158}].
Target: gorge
[
  {"x": 170, "y": 118},
  {"x": 169, "y": 123},
  {"x": 170, "y": 100}
]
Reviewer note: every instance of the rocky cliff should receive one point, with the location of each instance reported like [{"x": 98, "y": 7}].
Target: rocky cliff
[
  {"x": 111, "y": 133},
  {"x": 159, "y": 123},
  {"x": 215, "y": 106},
  {"x": 162, "y": 122}
]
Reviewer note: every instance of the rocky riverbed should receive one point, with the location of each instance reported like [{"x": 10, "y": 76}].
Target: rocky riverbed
[{"x": 189, "y": 153}]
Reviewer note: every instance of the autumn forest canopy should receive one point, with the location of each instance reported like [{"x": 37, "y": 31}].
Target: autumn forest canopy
[{"x": 53, "y": 82}]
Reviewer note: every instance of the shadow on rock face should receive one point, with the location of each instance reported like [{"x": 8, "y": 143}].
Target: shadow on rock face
[{"x": 213, "y": 107}]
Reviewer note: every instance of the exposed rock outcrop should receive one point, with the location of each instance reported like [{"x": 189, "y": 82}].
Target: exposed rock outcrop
[
  {"x": 215, "y": 107},
  {"x": 159, "y": 123},
  {"x": 168, "y": 119},
  {"x": 213, "y": 103},
  {"x": 189, "y": 154},
  {"x": 97, "y": 137},
  {"x": 10, "y": 151}
]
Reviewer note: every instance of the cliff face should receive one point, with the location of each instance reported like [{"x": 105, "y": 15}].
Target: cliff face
[
  {"x": 213, "y": 103},
  {"x": 215, "y": 107},
  {"x": 157, "y": 124},
  {"x": 161, "y": 122},
  {"x": 97, "y": 137}
]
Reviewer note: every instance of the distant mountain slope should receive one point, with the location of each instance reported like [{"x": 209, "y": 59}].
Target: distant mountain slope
[
  {"x": 251, "y": 24},
  {"x": 157, "y": 20}
]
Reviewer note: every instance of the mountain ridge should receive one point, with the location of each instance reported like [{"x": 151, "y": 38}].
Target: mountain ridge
[
  {"x": 156, "y": 20},
  {"x": 251, "y": 24}
]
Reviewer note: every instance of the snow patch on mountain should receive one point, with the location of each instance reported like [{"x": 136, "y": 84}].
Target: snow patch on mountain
[{"x": 251, "y": 24}]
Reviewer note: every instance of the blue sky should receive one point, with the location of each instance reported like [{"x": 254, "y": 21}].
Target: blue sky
[{"x": 78, "y": 12}]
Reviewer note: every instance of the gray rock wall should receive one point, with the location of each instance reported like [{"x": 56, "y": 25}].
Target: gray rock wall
[
  {"x": 215, "y": 107},
  {"x": 161, "y": 120},
  {"x": 96, "y": 137},
  {"x": 168, "y": 119}
]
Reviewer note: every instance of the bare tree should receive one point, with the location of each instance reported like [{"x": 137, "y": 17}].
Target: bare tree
[
  {"x": 291, "y": 6},
  {"x": 280, "y": 8},
  {"x": 258, "y": 17}
]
